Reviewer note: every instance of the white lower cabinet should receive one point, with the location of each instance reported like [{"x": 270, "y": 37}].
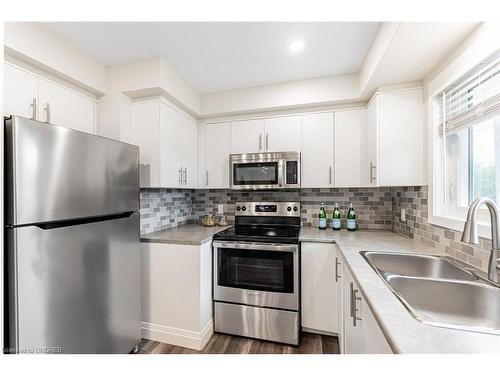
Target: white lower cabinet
[
  {"x": 320, "y": 287},
  {"x": 177, "y": 293},
  {"x": 361, "y": 333}
]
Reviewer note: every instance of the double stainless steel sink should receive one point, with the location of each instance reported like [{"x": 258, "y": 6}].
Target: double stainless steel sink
[{"x": 438, "y": 292}]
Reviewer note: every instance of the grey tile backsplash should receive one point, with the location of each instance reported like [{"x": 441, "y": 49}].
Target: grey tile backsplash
[
  {"x": 415, "y": 202},
  {"x": 166, "y": 208},
  {"x": 376, "y": 208},
  {"x": 373, "y": 205}
]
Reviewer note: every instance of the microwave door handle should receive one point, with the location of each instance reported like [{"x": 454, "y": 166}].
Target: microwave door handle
[{"x": 281, "y": 171}]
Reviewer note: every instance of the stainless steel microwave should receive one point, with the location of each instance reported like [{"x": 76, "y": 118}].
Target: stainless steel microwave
[{"x": 265, "y": 171}]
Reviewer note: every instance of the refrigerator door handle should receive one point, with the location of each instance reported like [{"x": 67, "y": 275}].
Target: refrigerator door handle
[{"x": 80, "y": 221}]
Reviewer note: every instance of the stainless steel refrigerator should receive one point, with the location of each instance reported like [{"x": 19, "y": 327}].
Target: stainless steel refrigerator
[{"x": 72, "y": 250}]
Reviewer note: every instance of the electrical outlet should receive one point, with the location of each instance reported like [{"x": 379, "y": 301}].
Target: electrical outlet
[
  {"x": 403, "y": 214},
  {"x": 220, "y": 209}
]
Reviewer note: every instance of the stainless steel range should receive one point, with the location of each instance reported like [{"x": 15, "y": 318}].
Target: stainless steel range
[{"x": 256, "y": 273}]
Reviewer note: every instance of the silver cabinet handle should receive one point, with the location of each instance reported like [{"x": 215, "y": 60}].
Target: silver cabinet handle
[
  {"x": 260, "y": 141},
  {"x": 267, "y": 141},
  {"x": 185, "y": 176},
  {"x": 206, "y": 177},
  {"x": 337, "y": 264},
  {"x": 331, "y": 174},
  {"x": 180, "y": 176},
  {"x": 33, "y": 106},
  {"x": 47, "y": 111},
  {"x": 354, "y": 310},
  {"x": 372, "y": 176}
]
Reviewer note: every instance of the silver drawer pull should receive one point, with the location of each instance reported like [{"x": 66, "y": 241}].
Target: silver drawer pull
[{"x": 337, "y": 264}]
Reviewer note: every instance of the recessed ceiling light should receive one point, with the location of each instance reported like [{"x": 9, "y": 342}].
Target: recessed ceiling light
[{"x": 296, "y": 46}]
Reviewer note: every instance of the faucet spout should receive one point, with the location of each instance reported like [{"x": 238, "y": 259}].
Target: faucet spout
[{"x": 470, "y": 233}]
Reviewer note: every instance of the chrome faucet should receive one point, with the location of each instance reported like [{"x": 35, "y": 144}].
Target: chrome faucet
[{"x": 470, "y": 235}]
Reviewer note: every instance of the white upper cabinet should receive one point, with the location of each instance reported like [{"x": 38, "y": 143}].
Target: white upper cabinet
[
  {"x": 215, "y": 148},
  {"x": 395, "y": 138},
  {"x": 61, "y": 106},
  {"x": 317, "y": 150},
  {"x": 247, "y": 136},
  {"x": 145, "y": 133},
  {"x": 282, "y": 134},
  {"x": 171, "y": 146},
  {"x": 20, "y": 92},
  {"x": 168, "y": 144},
  {"x": 350, "y": 148},
  {"x": 189, "y": 153},
  {"x": 372, "y": 142},
  {"x": 31, "y": 96}
]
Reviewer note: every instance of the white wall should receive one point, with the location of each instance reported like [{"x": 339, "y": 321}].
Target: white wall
[
  {"x": 309, "y": 92},
  {"x": 40, "y": 47}
]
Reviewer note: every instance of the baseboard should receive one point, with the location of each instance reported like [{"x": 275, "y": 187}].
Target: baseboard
[
  {"x": 177, "y": 336},
  {"x": 319, "y": 332}
]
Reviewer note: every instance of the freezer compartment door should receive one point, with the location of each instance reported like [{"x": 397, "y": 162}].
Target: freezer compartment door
[
  {"x": 55, "y": 173},
  {"x": 78, "y": 287}
]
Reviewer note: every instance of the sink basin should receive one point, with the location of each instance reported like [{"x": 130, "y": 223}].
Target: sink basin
[
  {"x": 455, "y": 304},
  {"x": 413, "y": 265}
]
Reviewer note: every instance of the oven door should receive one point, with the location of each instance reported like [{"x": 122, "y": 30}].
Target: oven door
[
  {"x": 257, "y": 274},
  {"x": 257, "y": 174}
]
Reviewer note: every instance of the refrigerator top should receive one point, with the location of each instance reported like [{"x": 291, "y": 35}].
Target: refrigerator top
[{"x": 54, "y": 173}]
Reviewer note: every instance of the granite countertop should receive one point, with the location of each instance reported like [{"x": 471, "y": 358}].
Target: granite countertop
[
  {"x": 189, "y": 234},
  {"x": 403, "y": 333}
]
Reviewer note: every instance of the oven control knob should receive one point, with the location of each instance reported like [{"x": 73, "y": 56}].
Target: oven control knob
[
  {"x": 289, "y": 208},
  {"x": 243, "y": 208},
  {"x": 238, "y": 208},
  {"x": 295, "y": 208}
]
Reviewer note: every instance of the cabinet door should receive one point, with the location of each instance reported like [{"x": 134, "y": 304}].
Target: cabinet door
[
  {"x": 67, "y": 108},
  {"x": 317, "y": 150},
  {"x": 189, "y": 153},
  {"x": 247, "y": 136},
  {"x": 171, "y": 146},
  {"x": 361, "y": 335},
  {"x": 202, "y": 175},
  {"x": 20, "y": 89},
  {"x": 145, "y": 132},
  {"x": 350, "y": 148},
  {"x": 319, "y": 287},
  {"x": 374, "y": 341},
  {"x": 282, "y": 134},
  {"x": 401, "y": 139},
  {"x": 217, "y": 138},
  {"x": 352, "y": 340},
  {"x": 339, "y": 278},
  {"x": 372, "y": 142}
]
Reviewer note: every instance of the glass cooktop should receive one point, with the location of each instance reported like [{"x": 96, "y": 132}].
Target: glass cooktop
[{"x": 260, "y": 233}]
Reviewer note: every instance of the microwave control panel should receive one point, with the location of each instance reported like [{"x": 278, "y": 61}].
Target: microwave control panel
[{"x": 292, "y": 172}]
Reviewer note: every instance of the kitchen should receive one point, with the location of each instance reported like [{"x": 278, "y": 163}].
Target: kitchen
[{"x": 169, "y": 189}]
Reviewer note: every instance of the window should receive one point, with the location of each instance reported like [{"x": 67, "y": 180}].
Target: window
[{"x": 468, "y": 122}]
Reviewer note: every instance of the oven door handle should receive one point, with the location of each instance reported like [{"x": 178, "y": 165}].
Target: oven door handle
[{"x": 255, "y": 246}]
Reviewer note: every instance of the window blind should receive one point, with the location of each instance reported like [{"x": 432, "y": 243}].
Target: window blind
[{"x": 473, "y": 98}]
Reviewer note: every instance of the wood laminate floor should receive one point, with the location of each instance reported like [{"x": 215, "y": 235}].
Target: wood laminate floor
[{"x": 225, "y": 344}]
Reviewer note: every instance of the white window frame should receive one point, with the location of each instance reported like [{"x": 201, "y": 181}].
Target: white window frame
[{"x": 480, "y": 49}]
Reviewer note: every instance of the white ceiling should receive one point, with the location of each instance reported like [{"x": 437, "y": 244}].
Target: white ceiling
[{"x": 220, "y": 56}]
